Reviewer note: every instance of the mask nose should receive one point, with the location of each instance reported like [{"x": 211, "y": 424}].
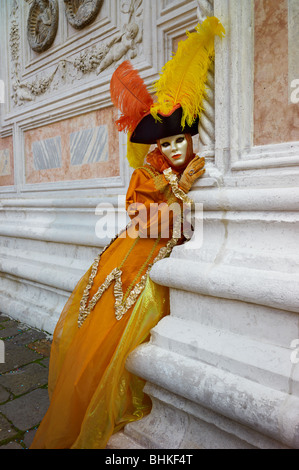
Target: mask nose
[{"x": 174, "y": 146}]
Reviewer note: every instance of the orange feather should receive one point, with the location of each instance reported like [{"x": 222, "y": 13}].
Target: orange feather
[{"x": 129, "y": 94}]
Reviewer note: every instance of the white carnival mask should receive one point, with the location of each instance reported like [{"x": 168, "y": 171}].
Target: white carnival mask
[{"x": 174, "y": 148}]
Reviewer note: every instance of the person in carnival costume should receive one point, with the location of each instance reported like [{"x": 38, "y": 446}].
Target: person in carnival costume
[{"x": 115, "y": 304}]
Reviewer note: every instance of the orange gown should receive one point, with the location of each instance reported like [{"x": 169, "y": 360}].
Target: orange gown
[{"x": 110, "y": 312}]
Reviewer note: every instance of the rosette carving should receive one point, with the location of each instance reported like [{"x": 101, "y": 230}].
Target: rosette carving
[
  {"x": 81, "y": 13},
  {"x": 42, "y": 24}
]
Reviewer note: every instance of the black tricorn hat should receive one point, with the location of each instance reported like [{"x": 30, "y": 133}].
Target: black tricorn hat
[{"x": 149, "y": 129}]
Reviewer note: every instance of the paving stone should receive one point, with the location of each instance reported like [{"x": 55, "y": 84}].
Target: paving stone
[
  {"x": 3, "y": 318},
  {"x": 28, "y": 410},
  {"x": 42, "y": 346},
  {"x": 27, "y": 337},
  {"x": 6, "y": 429},
  {"x": 10, "y": 328},
  {"x": 17, "y": 355},
  {"x": 45, "y": 362},
  {"x": 21, "y": 377},
  {"x": 12, "y": 445},
  {"x": 28, "y": 437},
  {"x": 4, "y": 394},
  {"x": 24, "y": 379}
]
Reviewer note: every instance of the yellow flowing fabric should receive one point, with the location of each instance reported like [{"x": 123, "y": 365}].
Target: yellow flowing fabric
[{"x": 91, "y": 393}]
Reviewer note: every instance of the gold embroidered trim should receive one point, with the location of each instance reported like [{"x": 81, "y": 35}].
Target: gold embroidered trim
[
  {"x": 174, "y": 183},
  {"x": 160, "y": 183},
  {"x": 151, "y": 170},
  {"x": 142, "y": 267},
  {"x": 94, "y": 270},
  {"x": 129, "y": 251},
  {"x": 121, "y": 305}
]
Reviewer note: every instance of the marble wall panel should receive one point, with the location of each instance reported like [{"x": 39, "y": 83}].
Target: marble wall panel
[
  {"x": 89, "y": 145},
  {"x": 47, "y": 153},
  {"x": 6, "y": 162},
  {"x": 79, "y": 148},
  {"x": 276, "y": 119}
]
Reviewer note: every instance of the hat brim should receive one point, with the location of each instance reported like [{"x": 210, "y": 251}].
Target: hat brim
[{"x": 149, "y": 130}]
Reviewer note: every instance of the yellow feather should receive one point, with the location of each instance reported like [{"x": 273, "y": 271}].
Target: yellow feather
[
  {"x": 136, "y": 153},
  {"x": 183, "y": 78}
]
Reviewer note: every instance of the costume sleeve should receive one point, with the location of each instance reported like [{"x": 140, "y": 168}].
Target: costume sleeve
[{"x": 151, "y": 204}]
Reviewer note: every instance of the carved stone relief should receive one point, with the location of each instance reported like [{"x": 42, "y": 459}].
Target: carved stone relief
[
  {"x": 19, "y": 94},
  {"x": 123, "y": 45},
  {"x": 42, "y": 24},
  {"x": 81, "y": 13},
  {"x": 101, "y": 57}
]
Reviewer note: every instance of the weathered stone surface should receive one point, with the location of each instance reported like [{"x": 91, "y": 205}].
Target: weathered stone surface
[
  {"x": 3, "y": 318},
  {"x": 28, "y": 437},
  {"x": 28, "y": 410},
  {"x": 42, "y": 346},
  {"x": 4, "y": 394},
  {"x": 16, "y": 356},
  {"x": 24, "y": 379},
  {"x": 12, "y": 445},
  {"x": 11, "y": 328},
  {"x": 23, "y": 398},
  {"x": 28, "y": 336},
  {"x": 6, "y": 429},
  {"x": 121, "y": 441}
]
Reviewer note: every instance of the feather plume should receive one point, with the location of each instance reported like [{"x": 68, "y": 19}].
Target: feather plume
[
  {"x": 136, "y": 153},
  {"x": 183, "y": 78},
  {"x": 129, "y": 94}
]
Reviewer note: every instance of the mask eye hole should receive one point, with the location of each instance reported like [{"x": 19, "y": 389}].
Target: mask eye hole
[
  {"x": 180, "y": 139},
  {"x": 165, "y": 144}
]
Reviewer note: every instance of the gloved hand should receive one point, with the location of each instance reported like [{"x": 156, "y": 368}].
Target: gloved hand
[{"x": 191, "y": 173}]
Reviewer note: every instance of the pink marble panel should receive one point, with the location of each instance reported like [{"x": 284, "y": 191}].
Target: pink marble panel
[
  {"x": 68, "y": 172},
  {"x": 7, "y": 168},
  {"x": 276, "y": 120}
]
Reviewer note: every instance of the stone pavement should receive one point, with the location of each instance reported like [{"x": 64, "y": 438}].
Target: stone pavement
[{"x": 23, "y": 382}]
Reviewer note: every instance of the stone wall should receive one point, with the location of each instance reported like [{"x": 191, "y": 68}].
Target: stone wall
[{"x": 60, "y": 154}]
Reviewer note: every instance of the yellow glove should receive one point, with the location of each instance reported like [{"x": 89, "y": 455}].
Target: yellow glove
[{"x": 191, "y": 173}]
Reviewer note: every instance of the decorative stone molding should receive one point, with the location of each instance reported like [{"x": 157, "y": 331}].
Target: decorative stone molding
[
  {"x": 41, "y": 84},
  {"x": 14, "y": 36},
  {"x": 207, "y": 122},
  {"x": 103, "y": 56},
  {"x": 25, "y": 91},
  {"x": 19, "y": 92},
  {"x": 14, "y": 45},
  {"x": 42, "y": 24},
  {"x": 81, "y": 13},
  {"x": 123, "y": 45},
  {"x": 204, "y": 8},
  {"x": 206, "y": 128}
]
